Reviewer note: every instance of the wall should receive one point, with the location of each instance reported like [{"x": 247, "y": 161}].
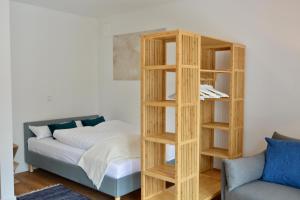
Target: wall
[
  {"x": 6, "y": 161},
  {"x": 54, "y": 67},
  {"x": 269, "y": 30}
]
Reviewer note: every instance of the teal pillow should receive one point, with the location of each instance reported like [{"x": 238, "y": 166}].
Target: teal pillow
[
  {"x": 92, "y": 122},
  {"x": 68, "y": 125}
]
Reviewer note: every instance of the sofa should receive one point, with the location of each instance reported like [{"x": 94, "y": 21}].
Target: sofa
[{"x": 241, "y": 180}]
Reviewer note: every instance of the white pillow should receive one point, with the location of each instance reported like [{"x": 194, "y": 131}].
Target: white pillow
[
  {"x": 78, "y": 123},
  {"x": 41, "y": 131}
]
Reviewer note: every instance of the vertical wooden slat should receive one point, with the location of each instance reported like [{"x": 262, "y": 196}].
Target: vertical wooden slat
[
  {"x": 178, "y": 160},
  {"x": 143, "y": 55},
  {"x": 190, "y": 119}
]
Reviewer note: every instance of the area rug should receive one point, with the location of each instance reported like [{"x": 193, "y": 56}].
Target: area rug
[{"x": 55, "y": 192}]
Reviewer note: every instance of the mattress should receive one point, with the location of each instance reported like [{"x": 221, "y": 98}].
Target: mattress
[{"x": 65, "y": 153}]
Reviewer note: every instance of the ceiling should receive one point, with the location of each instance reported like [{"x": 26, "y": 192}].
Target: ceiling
[{"x": 96, "y": 8}]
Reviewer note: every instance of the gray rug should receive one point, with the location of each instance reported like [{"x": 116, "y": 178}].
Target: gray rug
[{"x": 56, "y": 192}]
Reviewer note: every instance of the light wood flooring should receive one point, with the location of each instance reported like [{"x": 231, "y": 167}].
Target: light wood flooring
[{"x": 39, "y": 179}]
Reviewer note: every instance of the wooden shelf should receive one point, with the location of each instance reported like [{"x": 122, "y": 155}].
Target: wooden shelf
[
  {"x": 165, "y": 103},
  {"x": 169, "y": 36},
  {"x": 207, "y": 79},
  {"x": 163, "y": 172},
  {"x": 209, "y": 187},
  {"x": 160, "y": 67},
  {"x": 168, "y": 194},
  {"x": 216, "y": 125},
  {"x": 216, "y": 71},
  {"x": 218, "y": 99},
  {"x": 212, "y": 173},
  {"x": 164, "y": 138},
  {"x": 209, "y": 184},
  {"x": 218, "y": 47},
  {"x": 216, "y": 152}
]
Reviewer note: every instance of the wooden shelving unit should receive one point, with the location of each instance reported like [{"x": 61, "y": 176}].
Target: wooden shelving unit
[
  {"x": 233, "y": 126},
  {"x": 216, "y": 125},
  {"x": 163, "y": 138},
  {"x": 184, "y": 174},
  {"x": 192, "y": 176},
  {"x": 215, "y": 152}
]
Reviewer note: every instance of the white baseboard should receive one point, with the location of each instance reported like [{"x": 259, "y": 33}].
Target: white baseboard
[{"x": 8, "y": 198}]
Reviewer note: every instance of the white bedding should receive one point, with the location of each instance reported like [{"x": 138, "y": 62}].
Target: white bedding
[
  {"x": 97, "y": 159},
  {"x": 57, "y": 150},
  {"x": 85, "y": 137},
  {"x": 54, "y": 149}
]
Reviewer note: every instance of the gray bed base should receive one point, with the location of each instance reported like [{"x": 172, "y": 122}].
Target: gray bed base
[{"x": 110, "y": 186}]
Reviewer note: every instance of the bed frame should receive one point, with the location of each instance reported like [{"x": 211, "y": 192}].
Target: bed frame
[{"x": 110, "y": 186}]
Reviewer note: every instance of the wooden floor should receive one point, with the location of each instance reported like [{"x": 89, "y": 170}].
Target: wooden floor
[{"x": 39, "y": 179}]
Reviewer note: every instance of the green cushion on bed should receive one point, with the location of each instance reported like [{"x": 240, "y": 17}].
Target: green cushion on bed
[
  {"x": 68, "y": 125},
  {"x": 93, "y": 122}
]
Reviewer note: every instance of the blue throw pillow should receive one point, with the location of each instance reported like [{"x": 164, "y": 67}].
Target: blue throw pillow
[
  {"x": 282, "y": 164},
  {"x": 92, "y": 122},
  {"x": 68, "y": 125}
]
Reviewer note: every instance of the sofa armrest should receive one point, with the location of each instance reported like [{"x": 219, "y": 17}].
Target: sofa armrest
[
  {"x": 241, "y": 171},
  {"x": 224, "y": 186}
]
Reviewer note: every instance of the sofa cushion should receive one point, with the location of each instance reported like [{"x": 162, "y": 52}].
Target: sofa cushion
[
  {"x": 244, "y": 170},
  {"x": 282, "y": 162},
  {"x": 278, "y": 136},
  {"x": 260, "y": 190}
]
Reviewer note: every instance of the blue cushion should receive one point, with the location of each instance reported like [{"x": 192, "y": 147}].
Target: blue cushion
[
  {"x": 282, "y": 164},
  {"x": 92, "y": 122},
  {"x": 68, "y": 125}
]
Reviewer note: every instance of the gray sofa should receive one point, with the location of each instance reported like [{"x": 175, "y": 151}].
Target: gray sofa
[{"x": 241, "y": 180}]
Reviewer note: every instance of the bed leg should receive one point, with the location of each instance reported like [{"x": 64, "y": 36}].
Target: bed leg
[
  {"x": 30, "y": 168},
  {"x": 117, "y": 198}
]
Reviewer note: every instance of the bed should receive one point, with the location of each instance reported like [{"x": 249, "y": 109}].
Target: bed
[{"x": 121, "y": 178}]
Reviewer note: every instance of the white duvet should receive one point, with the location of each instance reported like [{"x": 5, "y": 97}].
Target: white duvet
[
  {"x": 96, "y": 160},
  {"x": 107, "y": 142},
  {"x": 85, "y": 137}
]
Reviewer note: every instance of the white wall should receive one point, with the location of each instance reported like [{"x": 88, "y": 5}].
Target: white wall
[
  {"x": 54, "y": 62},
  {"x": 6, "y": 161},
  {"x": 268, "y": 28},
  {"x": 55, "y": 57}
]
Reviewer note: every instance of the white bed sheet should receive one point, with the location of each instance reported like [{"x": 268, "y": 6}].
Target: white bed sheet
[{"x": 57, "y": 150}]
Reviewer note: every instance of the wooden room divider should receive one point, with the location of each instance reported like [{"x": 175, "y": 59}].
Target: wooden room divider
[{"x": 192, "y": 176}]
